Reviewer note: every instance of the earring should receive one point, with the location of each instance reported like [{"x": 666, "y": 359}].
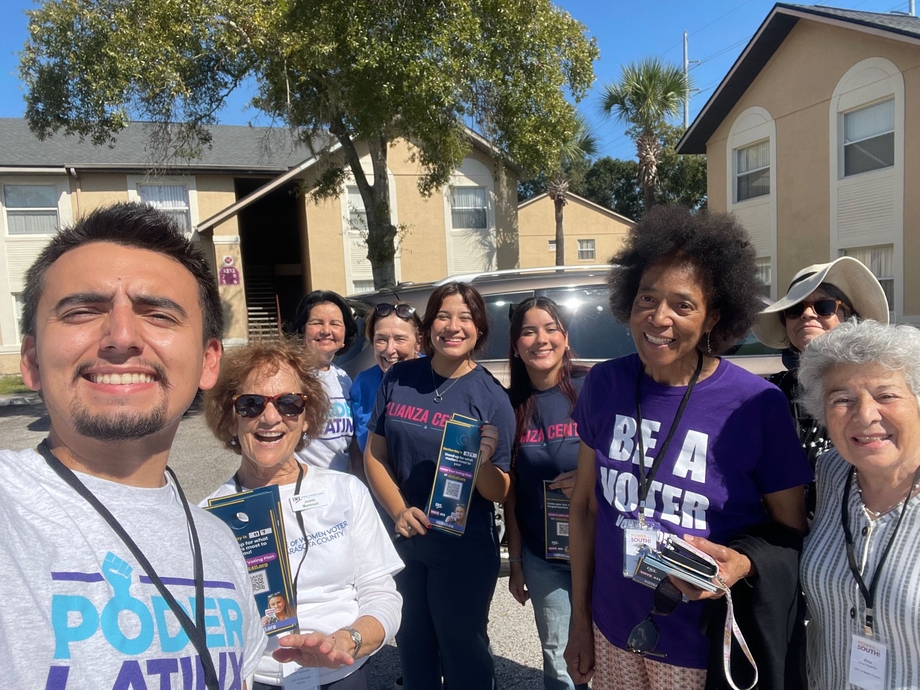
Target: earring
[
  {"x": 305, "y": 437},
  {"x": 233, "y": 441},
  {"x": 516, "y": 354},
  {"x": 708, "y": 343}
]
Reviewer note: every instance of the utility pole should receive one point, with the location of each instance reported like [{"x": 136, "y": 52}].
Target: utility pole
[
  {"x": 913, "y": 8},
  {"x": 687, "y": 63}
]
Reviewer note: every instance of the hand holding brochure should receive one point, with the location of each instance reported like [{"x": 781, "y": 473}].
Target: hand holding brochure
[
  {"x": 255, "y": 519},
  {"x": 677, "y": 558},
  {"x": 455, "y": 475}
]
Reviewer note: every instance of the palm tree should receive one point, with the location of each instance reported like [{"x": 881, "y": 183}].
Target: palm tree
[
  {"x": 582, "y": 143},
  {"x": 645, "y": 96}
]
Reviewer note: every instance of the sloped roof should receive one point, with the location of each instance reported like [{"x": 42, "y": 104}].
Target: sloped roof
[
  {"x": 581, "y": 199},
  {"x": 233, "y": 149},
  {"x": 771, "y": 34}
]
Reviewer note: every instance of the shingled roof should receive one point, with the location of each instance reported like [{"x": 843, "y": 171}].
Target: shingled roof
[
  {"x": 234, "y": 149},
  {"x": 771, "y": 34}
]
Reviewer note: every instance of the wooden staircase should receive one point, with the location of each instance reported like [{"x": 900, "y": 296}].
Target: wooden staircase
[{"x": 262, "y": 304}]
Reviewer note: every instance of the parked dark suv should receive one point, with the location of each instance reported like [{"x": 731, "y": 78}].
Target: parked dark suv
[{"x": 594, "y": 334}]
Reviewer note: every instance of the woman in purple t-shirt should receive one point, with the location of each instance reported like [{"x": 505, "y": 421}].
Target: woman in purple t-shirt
[{"x": 720, "y": 454}]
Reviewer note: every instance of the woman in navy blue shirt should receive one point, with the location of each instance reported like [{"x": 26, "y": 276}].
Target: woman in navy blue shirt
[
  {"x": 449, "y": 580},
  {"x": 544, "y": 387}
]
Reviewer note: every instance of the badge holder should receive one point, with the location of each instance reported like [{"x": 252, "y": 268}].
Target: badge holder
[
  {"x": 555, "y": 522},
  {"x": 296, "y": 677}
]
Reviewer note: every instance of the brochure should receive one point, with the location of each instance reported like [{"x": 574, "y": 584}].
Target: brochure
[
  {"x": 556, "y": 522},
  {"x": 255, "y": 518},
  {"x": 455, "y": 475}
]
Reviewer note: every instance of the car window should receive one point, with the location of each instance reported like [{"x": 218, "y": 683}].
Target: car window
[
  {"x": 360, "y": 309},
  {"x": 593, "y": 332},
  {"x": 498, "y": 309}
]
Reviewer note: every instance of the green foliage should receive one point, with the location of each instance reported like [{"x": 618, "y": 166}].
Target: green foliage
[
  {"x": 11, "y": 385},
  {"x": 682, "y": 179},
  {"x": 647, "y": 94},
  {"x": 614, "y": 184}
]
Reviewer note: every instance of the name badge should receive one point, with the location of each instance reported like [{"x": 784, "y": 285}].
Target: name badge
[
  {"x": 296, "y": 677},
  {"x": 867, "y": 663},
  {"x": 307, "y": 501},
  {"x": 634, "y": 539}
]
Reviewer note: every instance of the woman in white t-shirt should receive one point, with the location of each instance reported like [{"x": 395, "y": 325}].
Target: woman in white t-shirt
[
  {"x": 328, "y": 327},
  {"x": 266, "y": 405}
]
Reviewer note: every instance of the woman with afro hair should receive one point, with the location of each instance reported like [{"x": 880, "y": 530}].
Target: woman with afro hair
[{"x": 720, "y": 460}]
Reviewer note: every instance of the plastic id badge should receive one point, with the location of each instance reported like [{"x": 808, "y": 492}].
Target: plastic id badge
[
  {"x": 634, "y": 539},
  {"x": 867, "y": 663},
  {"x": 296, "y": 677}
]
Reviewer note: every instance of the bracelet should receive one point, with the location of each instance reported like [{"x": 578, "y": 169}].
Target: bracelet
[{"x": 515, "y": 560}]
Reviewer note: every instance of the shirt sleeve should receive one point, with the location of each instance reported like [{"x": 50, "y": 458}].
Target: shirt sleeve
[
  {"x": 376, "y": 562},
  {"x": 580, "y": 414},
  {"x": 376, "y": 423},
  {"x": 363, "y": 396},
  {"x": 783, "y": 464},
  {"x": 503, "y": 418}
]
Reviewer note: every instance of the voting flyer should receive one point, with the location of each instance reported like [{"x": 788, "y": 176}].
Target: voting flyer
[
  {"x": 556, "y": 522},
  {"x": 455, "y": 475},
  {"x": 255, "y": 518}
]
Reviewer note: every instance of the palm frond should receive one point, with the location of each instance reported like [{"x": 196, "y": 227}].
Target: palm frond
[{"x": 647, "y": 94}]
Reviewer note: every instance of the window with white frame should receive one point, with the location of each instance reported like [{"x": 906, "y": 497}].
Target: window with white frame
[
  {"x": 586, "y": 250},
  {"x": 868, "y": 138},
  {"x": 357, "y": 216},
  {"x": 31, "y": 209},
  {"x": 359, "y": 268},
  {"x": 752, "y": 171},
  {"x": 879, "y": 260},
  {"x": 171, "y": 199},
  {"x": 363, "y": 285},
  {"x": 765, "y": 273},
  {"x": 468, "y": 208},
  {"x": 551, "y": 245}
]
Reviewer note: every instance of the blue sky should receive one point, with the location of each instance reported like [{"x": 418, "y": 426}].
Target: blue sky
[{"x": 626, "y": 31}]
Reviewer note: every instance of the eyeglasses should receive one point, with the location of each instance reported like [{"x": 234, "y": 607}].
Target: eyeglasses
[
  {"x": 403, "y": 311},
  {"x": 822, "y": 307},
  {"x": 287, "y": 404},
  {"x": 644, "y": 637}
]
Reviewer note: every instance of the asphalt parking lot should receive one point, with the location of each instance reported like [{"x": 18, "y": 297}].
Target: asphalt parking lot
[{"x": 201, "y": 464}]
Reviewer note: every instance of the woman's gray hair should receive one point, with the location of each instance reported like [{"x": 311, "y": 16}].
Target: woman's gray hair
[{"x": 896, "y": 348}]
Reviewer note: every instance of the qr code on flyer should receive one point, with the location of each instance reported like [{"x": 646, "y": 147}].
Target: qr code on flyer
[
  {"x": 452, "y": 489},
  {"x": 259, "y": 581},
  {"x": 562, "y": 529}
]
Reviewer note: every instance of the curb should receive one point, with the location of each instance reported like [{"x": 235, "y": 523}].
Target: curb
[{"x": 20, "y": 399}]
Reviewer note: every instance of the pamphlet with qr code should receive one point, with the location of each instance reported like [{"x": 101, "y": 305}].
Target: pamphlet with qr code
[
  {"x": 256, "y": 521},
  {"x": 556, "y": 522},
  {"x": 455, "y": 476}
]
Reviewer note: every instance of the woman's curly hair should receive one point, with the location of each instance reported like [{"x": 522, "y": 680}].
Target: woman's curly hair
[
  {"x": 268, "y": 357},
  {"x": 715, "y": 244}
]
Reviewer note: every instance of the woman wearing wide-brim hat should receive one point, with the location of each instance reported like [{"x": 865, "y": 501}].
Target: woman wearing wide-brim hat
[{"x": 820, "y": 298}]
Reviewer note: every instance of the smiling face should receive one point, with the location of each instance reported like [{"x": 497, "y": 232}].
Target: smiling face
[
  {"x": 873, "y": 419},
  {"x": 453, "y": 331},
  {"x": 268, "y": 441},
  {"x": 669, "y": 318},
  {"x": 278, "y": 605},
  {"x": 119, "y": 350},
  {"x": 541, "y": 345},
  {"x": 395, "y": 340},
  {"x": 325, "y": 330},
  {"x": 809, "y": 325}
]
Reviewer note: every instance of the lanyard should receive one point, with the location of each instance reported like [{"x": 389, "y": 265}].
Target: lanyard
[
  {"x": 645, "y": 481},
  {"x": 195, "y": 631},
  {"x": 868, "y": 593},
  {"x": 298, "y": 515}
]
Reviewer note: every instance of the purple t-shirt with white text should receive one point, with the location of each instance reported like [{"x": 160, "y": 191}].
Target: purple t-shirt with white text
[{"x": 735, "y": 442}]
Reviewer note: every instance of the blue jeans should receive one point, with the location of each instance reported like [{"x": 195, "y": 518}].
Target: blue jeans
[
  {"x": 550, "y": 587},
  {"x": 447, "y": 587}
]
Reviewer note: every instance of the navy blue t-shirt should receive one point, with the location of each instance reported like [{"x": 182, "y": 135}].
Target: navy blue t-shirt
[
  {"x": 547, "y": 448},
  {"x": 413, "y": 423}
]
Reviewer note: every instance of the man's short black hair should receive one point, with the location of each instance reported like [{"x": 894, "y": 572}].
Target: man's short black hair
[{"x": 130, "y": 225}]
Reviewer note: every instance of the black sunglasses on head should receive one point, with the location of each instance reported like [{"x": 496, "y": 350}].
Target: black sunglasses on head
[
  {"x": 644, "y": 637},
  {"x": 287, "y": 404},
  {"x": 403, "y": 311},
  {"x": 822, "y": 307}
]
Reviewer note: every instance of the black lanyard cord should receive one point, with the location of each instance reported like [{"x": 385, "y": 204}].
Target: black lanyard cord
[
  {"x": 194, "y": 631},
  {"x": 298, "y": 514},
  {"x": 645, "y": 481},
  {"x": 869, "y": 592}
]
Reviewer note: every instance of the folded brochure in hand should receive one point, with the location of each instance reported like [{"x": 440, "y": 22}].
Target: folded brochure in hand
[
  {"x": 455, "y": 475},
  {"x": 256, "y": 521},
  {"x": 677, "y": 558},
  {"x": 556, "y": 522}
]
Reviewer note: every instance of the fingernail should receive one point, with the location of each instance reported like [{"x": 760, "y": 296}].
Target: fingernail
[{"x": 428, "y": 526}]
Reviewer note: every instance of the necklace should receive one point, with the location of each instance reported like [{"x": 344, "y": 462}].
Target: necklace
[
  {"x": 875, "y": 514},
  {"x": 438, "y": 395}
]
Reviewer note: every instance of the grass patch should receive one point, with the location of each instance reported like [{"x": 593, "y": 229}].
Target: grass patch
[{"x": 12, "y": 384}]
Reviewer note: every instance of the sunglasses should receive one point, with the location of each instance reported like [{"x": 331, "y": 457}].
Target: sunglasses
[
  {"x": 822, "y": 307},
  {"x": 403, "y": 311},
  {"x": 287, "y": 404},
  {"x": 644, "y": 637}
]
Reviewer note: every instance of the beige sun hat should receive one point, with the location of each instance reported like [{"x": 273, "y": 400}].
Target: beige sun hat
[{"x": 847, "y": 274}]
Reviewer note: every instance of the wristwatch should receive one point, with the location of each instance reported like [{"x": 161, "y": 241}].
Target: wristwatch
[{"x": 356, "y": 639}]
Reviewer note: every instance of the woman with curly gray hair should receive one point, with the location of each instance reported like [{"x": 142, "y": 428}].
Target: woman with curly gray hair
[
  {"x": 675, "y": 441},
  {"x": 861, "y": 564}
]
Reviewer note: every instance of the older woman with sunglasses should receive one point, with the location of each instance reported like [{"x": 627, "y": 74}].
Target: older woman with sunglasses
[
  {"x": 268, "y": 404},
  {"x": 393, "y": 332},
  {"x": 819, "y": 299}
]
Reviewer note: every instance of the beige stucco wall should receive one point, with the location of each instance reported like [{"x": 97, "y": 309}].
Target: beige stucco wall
[
  {"x": 796, "y": 87},
  {"x": 582, "y": 221}
]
